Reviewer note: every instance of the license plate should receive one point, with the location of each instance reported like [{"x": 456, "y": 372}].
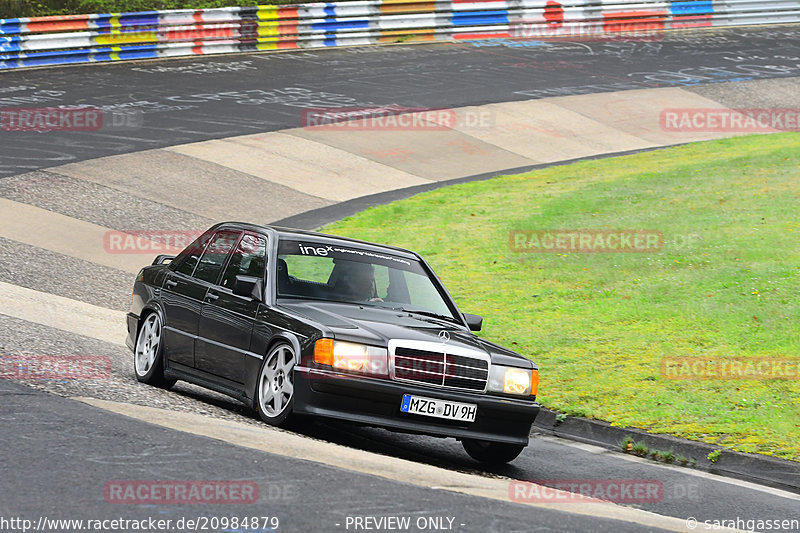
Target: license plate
[{"x": 419, "y": 405}]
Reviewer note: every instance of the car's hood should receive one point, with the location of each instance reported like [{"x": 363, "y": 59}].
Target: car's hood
[{"x": 377, "y": 326}]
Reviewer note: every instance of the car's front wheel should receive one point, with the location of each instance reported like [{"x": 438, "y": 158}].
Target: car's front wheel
[
  {"x": 275, "y": 396},
  {"x": 148, "y": 355},
  {"x": 491, "y": 452}
]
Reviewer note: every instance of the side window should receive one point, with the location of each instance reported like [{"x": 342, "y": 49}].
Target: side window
[
  {"x": 249, "y": 259},
  {"x": 213, "y": 258},
  {"x": 188, "y": 258}
]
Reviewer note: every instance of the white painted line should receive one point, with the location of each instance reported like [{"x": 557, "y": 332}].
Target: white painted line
[{"x": 89, "y": 320}]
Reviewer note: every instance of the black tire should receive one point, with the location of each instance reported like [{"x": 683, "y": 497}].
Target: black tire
[
  {"x": 492, "y": 453},
  {"x": 148, "y": 353},
  {"x": 275, "y": 388}
]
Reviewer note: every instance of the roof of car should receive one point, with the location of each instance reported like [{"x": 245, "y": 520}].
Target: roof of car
[{"x": 319, "y": 237}]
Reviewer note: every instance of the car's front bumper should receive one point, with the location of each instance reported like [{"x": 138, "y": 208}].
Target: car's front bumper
[{"x": 377, "y": 402}]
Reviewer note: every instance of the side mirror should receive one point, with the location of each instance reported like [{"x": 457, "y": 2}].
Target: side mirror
[
  {"x": 474, "y": 322},
  {"x": 248, "y": 286},
  {"x": 163, "y": 259}
]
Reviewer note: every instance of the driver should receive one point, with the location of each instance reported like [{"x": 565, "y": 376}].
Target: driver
[{"x": 356, "y": 281}]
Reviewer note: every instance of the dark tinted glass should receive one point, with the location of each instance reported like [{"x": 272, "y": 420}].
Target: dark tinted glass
[
  {"x": 214, "y": 256},
  {"x": 249, "y": 259},
  {"x": 187, "y": 260}
]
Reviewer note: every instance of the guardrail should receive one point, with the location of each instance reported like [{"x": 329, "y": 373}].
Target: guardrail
[{"x": 29, "y": 42}]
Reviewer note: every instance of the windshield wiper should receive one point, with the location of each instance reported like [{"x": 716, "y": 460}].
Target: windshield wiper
[{"x": 431, "y": 314}]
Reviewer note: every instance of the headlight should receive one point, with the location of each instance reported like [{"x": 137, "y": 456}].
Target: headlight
[
  {"x": 511, "y": 380},
  {"x": 352, "y": 357}
]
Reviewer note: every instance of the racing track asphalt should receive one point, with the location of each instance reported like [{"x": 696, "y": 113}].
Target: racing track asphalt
[
  {"x": 53, "y": 478},
  {"x": 186, "y": 101},
  {"x": 156, "y": 104}
]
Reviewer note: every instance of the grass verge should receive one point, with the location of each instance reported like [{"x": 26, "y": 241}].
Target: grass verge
[{"x": 724, "y": 287}]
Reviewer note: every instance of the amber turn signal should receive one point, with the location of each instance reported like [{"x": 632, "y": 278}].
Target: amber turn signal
[{"x": 323, "y": 352}]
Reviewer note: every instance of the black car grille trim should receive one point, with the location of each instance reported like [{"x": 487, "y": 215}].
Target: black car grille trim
[{"x": 439, "y": 368}]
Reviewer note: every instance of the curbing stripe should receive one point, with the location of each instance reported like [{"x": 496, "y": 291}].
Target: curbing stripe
[
  {"x": 106, "y": 325},
  {"x": 310, "y": 166},
  {"x": 62, "y": 234}
]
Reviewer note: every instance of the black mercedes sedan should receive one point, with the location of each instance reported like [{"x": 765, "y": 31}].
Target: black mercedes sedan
[{"x": 301, "y": 323}]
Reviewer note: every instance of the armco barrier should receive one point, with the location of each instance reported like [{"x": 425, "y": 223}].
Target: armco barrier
[{"x": 58, "y": 40}]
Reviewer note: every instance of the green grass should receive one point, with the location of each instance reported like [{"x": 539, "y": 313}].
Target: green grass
[{"x": 726, "y": 284}]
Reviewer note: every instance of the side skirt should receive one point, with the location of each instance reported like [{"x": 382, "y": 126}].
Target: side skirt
[{"x": 184, "y": 373}]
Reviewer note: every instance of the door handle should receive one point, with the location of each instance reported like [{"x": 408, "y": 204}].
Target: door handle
[
  {"x": 211, "y": 296},
  {"x": 171, "y": 283}
]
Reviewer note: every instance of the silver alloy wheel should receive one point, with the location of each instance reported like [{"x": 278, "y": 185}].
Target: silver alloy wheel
[
  {"x": 147, "y": 345},
  {"x": 276, "y": 383}
]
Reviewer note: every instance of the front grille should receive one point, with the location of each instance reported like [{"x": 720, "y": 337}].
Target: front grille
[{"x": 440, "y": 369}]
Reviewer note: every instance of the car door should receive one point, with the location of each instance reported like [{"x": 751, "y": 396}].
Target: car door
[
  {"x": 184, "y": 290},
  {"x": 227, "y": 319}
]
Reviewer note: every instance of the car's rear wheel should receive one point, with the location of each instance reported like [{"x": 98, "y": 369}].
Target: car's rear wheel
[
  {"x": 148, "y": 355},
  {"x": 491, "y": 452},
  {"x": 275, "y": 396}
]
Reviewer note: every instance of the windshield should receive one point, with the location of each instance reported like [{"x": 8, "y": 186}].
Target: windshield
[{"x": 346, "y": 273}]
